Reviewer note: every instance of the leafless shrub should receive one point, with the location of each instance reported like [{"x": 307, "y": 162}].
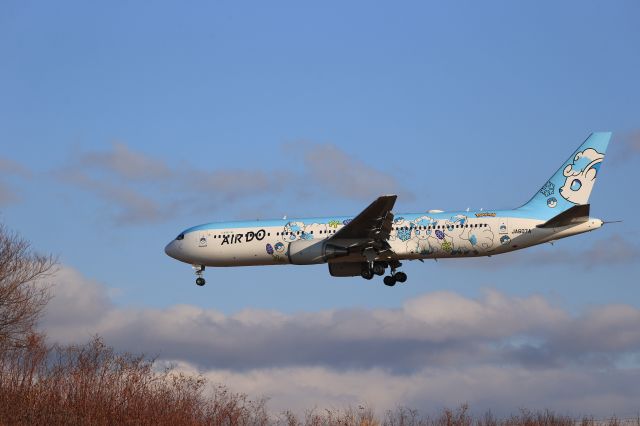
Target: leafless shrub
[
  {"x": 92, "y": 384},
  {"x": 403, "y": 416},
  {"x": 458, "y": 417},
  {"x": 362, "y": 416},
  {"x": 547, "y": 418}
]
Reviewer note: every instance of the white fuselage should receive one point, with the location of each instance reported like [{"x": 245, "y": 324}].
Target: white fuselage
[{"x": 413, "y": 236}]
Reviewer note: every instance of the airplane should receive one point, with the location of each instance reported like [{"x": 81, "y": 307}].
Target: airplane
[{"x": 378, "y": 239}]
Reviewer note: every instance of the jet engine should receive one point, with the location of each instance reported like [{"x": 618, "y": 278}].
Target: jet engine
[{"x": 308, "y": 252}]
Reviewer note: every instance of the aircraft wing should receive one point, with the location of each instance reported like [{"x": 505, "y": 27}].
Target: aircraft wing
[{"x": 372, "y": 226}]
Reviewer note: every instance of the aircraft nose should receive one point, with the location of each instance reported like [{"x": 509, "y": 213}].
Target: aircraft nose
[{"x": 172, "y": 249}]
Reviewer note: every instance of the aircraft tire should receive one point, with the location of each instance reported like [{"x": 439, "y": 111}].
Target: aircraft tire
[
  {"x": 366, "y": 273},
  {"x": 378, "y": 269},
  {"x": 200, "y": 281},
  {"x": 389, "y": 280},
  {"x": 400, "y": 277}
]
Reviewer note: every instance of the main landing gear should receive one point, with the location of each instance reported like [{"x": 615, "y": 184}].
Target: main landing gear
[
  {"x": 391, "y": 280},
  {"x": 199, "y": 269},
  {"x": 379, "y": 268}
]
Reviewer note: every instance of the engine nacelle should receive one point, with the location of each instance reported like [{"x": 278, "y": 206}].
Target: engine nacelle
[
  {"x": 346, "y": 269},
  {"x": 309, "y": 252}
]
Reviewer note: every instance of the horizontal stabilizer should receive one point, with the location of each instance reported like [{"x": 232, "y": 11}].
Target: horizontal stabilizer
[{"x": 574, "y": 215}]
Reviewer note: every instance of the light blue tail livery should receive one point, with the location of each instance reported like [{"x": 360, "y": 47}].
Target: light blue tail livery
[{"x": 571, "y": 185}]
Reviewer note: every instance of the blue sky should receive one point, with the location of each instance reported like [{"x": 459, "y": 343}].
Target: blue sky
[{"x": 123, "y": 124}]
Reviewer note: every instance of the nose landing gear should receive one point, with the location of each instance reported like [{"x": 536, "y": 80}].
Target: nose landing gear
[{"x": 199, "y": 269}]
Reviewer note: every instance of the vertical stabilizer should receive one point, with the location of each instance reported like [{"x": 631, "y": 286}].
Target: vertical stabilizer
[{"x": 571, "y": 185}]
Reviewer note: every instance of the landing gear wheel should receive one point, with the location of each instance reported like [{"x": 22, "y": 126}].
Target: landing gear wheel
[
  {"x": 378, "y": 269},
  {"x": 389, "y": 280},
  {"x": 199, "y": 269},
  {"x": 367, "y": 273},
  {"x": 400, "y": 277}
]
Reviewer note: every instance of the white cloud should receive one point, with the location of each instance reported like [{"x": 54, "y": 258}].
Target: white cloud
[
  {"x": 440, "y": 349},
  {"x": 339, "y": 173},
  {"x": 7, "y": 195},
  {"x": 77, "y": 307},
  {"x": 625, "y": 146},
  {"x": 501, "y": 389},
  {"x": 125, "y": 163},
  {"x": 140, "y": 188},
  {"x": 10, "y": 167},
  {"x": 126, "y": 204}
]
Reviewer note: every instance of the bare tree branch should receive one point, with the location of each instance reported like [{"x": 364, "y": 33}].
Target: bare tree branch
[{"x": 23, "y": 292}]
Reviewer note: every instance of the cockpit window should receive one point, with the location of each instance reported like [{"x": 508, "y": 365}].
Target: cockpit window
[{"x": 180, "y": 237}]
